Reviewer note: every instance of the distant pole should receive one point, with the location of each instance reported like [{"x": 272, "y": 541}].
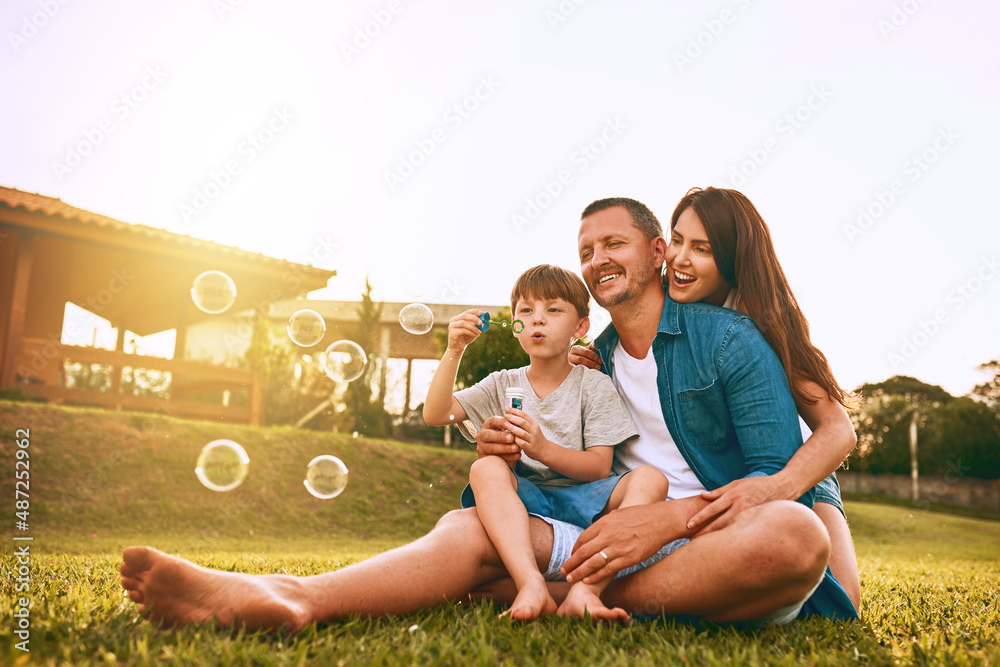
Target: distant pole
[{"x": 914, "y": 474}]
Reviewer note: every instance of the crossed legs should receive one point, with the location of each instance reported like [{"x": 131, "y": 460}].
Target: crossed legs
[
  {"x": 444, "y": 565},
  {"x": 769, "y": 557}
]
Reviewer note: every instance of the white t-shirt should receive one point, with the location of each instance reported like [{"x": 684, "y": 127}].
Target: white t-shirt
[
  {"x": 635, "y": 380},
  {"x": 584, "y": 411}
]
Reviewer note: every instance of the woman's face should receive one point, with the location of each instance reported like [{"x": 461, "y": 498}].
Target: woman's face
[{"x": 691, "y": 270}]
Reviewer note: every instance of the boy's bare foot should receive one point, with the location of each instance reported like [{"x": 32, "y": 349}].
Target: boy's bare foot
[
  {"x": 178, "y": 592},
  {"x": 504, "y": 590},
  {"x": 531, "y": 602},
  {"x": 582, "y": 598}
]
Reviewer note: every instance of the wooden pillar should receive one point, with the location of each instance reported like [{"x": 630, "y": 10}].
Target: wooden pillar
[
  {"x": 255, "y": 397},
  {"x": 18, "y": 308},
  {"x": 409, "y": 375},
  {"x": 116, "y": 370},
  {"x": 180, "y": 340}
]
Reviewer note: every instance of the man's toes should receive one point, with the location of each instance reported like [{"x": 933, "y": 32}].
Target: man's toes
[
  {"x": 137, "y": 559},
  {"x": 136, "y": 595}
]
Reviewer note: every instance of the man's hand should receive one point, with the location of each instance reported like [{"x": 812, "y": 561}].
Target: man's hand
[
  {"x": 527, "y": 433},
  {"x": 493, "y": 439},
  {"x": 585, "y": 356},
  {"x": 627, "y": 536},
  {"x": 729, "y": 500}
]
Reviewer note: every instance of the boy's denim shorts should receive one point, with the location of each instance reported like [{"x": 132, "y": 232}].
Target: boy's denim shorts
[{"x": 579, "y": 505}]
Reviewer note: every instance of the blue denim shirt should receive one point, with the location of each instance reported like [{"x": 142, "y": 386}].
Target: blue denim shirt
[
  {"x": 727, "y": 404},
  {"x": 723, "y": 391}
]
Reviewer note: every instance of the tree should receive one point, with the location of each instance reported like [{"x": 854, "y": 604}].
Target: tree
[
  {"x": 989, "y": 391},
  {"x": 906, "y": 386},
  {"x": 495, "y": 349},
  {"x": 957, "y": 435},
  {"x": 273, "y": 362},
  {"x": 365, "y": 409}
]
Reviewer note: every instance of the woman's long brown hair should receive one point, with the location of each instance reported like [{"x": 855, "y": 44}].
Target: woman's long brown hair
[{"x": 744, "y": 254}]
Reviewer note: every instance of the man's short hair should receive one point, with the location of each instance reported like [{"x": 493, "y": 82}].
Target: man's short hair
[
  {"x": 642, "y": 217},
  {"x": 546, "y": 281}
]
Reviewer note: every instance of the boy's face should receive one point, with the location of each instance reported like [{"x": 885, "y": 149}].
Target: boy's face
[{"x": 550, "y": 326}]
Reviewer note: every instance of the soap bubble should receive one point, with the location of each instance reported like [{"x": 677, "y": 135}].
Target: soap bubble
[
  {"x": 306, "y": 327},
  {"x": 416, "y": 318},
  {"x": 326, "y": 477},
  {"x": 213, "y": 292},
  {"x": 222, "y": 465},
  {"x": 344, "y": 361}
]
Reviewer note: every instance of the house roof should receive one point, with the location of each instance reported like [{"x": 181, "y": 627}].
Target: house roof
[
  {"x": 78, "y": 254},
  {"x": 53, "y": 207}
]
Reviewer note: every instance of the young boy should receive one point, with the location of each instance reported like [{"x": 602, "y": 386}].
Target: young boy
[{"x": 570, "y": 421}]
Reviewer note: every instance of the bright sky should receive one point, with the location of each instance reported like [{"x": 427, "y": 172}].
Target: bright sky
[{"x": 441, "y": 148}]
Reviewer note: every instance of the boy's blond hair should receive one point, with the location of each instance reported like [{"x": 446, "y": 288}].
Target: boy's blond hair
[{"x": 546, "y": 281}]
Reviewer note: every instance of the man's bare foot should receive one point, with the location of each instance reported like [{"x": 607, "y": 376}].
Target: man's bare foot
[
  {"x": 178, "y": 592},
  {"x": 531, "y": 602},
  {"x": 582, "y": 598}
]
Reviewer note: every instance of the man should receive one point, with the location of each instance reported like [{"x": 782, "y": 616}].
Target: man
[
  {"x": 721, "y": 410},
  {"x": 760, "y": 565}
]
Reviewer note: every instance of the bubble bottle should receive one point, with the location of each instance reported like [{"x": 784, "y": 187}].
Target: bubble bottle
[{"x": 514, "y": 397}]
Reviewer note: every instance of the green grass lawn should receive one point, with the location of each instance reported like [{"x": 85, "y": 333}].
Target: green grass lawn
[{"x": 101, "y": 481}]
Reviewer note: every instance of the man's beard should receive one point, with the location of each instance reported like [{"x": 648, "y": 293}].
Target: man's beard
[{"x": 636, "y": 282}]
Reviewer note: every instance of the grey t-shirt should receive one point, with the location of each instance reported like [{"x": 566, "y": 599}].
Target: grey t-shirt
[{"x": 584, "y": 411}]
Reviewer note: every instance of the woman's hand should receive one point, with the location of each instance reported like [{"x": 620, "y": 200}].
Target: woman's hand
[
  {"x": 627, "y": 536},
  {"x": 727, "y": 501},
  {"x": 585, "y": 356}
]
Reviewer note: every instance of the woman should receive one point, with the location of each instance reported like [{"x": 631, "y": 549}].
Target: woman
[{"x": 720, "y": 252}]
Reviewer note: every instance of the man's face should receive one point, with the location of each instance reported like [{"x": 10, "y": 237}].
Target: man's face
[{"x": 616, "y": 261}]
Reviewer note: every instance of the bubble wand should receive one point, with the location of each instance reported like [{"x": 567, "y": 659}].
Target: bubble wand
[{"x": 517, "y": 325}]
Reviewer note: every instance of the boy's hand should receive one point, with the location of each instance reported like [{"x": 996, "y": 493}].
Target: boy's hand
[
  {"x": 527, "y": 433},
  {"x": 585, "y": 356},
  {"x": 463, "y": 329}
]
